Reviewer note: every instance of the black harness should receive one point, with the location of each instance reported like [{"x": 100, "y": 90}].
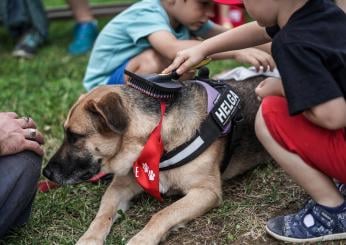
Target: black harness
[{"x": 224, "y": 116}]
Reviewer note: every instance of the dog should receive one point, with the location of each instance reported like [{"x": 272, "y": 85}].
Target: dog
[{"x": 106, "y": 130}]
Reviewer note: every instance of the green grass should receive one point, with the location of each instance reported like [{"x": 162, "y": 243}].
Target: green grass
[{"x": 45, "y": 88}]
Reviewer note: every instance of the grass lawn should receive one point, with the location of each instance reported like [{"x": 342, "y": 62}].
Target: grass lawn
[{"x": 45, "y": 88}]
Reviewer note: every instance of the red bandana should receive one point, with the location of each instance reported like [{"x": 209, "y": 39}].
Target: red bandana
[{"x": 146, "y": 168}]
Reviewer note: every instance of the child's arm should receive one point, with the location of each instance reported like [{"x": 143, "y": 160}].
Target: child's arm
[
  {"x": 330, "y": 115},
  {"x": 247, "y": 35},
  {"x": 254, "y": 56},
  {"x": 168, "y": 45},
  {"x": 216, "y": 29},
  {"x": 259, "y": 56}
]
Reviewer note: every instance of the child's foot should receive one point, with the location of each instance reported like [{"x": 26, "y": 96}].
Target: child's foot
[
  {"x": 28, "y": 44},
  {"x": 84, "y": 35},
  {"x": 311, "y": 224}
]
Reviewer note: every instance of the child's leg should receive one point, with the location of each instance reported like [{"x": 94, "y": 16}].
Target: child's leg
[
  {"x": 148, "y": 62},
  {"x": 311, "y": 156},
  {"x": 318, "y": 185}
]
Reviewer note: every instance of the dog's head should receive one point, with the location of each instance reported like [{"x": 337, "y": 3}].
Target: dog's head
[{"x": 93, "y": 131}]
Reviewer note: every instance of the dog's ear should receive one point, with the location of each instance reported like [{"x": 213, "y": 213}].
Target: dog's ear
[
  {"x": 108, "y": 114},
  {"x": 74, "y": 106}
]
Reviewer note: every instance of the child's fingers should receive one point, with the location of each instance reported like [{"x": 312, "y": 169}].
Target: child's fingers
[
  {"x": 175, "y": 64},
  {"x": 260, "y": 89},
  {"x": 256, "y": 63},
  {"x": 268, "y": 64},
  {"x": 185, "y": 66},
  {"x": 272, "y": 64},
  {"x": 265, "y": 60},
  {"x": 264, "y": 63},
  {"x": 167, "y": 69}
]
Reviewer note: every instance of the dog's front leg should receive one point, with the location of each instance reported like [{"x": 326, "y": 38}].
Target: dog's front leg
[
  {"x": 117, "y": 196},
  {"x": 197, "y": 202}
]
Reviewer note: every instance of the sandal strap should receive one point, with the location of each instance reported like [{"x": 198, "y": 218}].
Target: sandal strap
[{"x": 312, "y": 221}]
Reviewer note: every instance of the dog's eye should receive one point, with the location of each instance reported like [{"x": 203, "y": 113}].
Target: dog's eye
[{"x": 73, "y": 137}]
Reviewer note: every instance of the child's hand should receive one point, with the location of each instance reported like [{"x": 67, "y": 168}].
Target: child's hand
[
  {"x": 269, "y": 86},
  {"x": 255, "y": 57},
  {"x": 185, "y": 59}
]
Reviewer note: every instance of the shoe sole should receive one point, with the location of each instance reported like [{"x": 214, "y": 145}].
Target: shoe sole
[
  {"x": 22, "y": 54},
  {"x": 338, "y": 236}
]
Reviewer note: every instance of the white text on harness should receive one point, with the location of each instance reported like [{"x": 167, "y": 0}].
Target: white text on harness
[{"x": 227, "y": 107}]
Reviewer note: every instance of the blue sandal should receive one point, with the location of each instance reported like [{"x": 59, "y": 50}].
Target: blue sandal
[{"x": 311, "y": 224}]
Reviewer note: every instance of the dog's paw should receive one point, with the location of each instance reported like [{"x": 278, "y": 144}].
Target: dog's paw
[
  {"x": 140, "y": 239},
  {"x": 89, "y": 241}
]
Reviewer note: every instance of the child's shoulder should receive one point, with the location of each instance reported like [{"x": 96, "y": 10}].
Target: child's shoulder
[{"x": 145, "y": 7}]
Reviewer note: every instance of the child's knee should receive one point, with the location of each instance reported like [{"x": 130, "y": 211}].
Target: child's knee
[
  {"x": 268, "y": 116},
  {"x": 150, "y": 61}
]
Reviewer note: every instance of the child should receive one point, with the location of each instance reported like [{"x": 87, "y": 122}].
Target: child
[
  {"x": 302, "y": 119},
  {"x": 145, "y": 38}
]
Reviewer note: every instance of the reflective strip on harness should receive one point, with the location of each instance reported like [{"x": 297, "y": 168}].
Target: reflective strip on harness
[{"x": 187, "y": 151}]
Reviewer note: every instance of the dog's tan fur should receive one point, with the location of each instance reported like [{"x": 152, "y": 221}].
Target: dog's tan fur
[{"x": 113, "y": 127}]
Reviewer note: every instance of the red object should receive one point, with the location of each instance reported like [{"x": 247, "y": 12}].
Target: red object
[
  {"x": 47, "y": 185},
  {"x": 230, "y": 2},
  {"x": 322, "y": 149},
  {"x": 146, "y": 168},
  {"x": 235, "y": 16},
  {"x": 97, "y": 177}
]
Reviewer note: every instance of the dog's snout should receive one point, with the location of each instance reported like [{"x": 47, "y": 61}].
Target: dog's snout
[
  {"x": 86, "y": 176},
  {"x": 47, "y": 173}
]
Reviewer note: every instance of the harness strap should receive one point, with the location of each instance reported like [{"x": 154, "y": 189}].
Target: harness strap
[
  {"x": 222, "y": 108},
  {"x": 232, "y": 142},
  {"x": 188, "y": 151}
]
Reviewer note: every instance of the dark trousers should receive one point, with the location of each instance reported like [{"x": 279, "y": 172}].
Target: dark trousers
[{"x": 19, "y": 174}]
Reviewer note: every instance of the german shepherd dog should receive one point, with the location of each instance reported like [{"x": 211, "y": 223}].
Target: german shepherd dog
[{"x": 106, "y": 130}]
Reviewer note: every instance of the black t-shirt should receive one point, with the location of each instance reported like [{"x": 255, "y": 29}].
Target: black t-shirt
[{"x": 310, "y": 52}]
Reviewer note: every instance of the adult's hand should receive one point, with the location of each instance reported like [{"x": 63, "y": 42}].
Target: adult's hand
[{"x": 19, "y": 134}]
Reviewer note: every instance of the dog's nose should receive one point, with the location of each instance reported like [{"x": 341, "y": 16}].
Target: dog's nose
[{"x": 47, "y": 173}]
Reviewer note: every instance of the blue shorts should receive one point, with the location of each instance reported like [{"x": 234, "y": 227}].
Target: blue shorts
[{"x": 117, "y": 76}]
